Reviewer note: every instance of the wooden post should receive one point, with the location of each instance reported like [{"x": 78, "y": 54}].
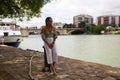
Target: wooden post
[{"x": 46, "y": 65}]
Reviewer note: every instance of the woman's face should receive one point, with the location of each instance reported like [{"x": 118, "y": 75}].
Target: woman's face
[{"x": 49, "y": 21}]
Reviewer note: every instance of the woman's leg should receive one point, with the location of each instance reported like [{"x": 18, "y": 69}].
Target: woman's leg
[
  {"x": 54, "y": 58},
  {"x": 55, "y": 73},
  {"x": 52, "y": 68}
]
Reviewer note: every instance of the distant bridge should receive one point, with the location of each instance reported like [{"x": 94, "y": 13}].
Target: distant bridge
[
  {"x": 27, "y": 31},
  {"x": 68, "y": 31},
  {"x": 60, "y": 31}
]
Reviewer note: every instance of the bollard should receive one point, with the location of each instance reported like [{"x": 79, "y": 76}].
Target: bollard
[{"x": 46, "y": 65}]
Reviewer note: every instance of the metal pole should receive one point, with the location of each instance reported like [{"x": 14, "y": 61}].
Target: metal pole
[{"x": 46, "y": 65}]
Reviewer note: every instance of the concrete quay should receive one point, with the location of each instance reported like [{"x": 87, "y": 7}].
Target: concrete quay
[{"x": 14, "y": 65}]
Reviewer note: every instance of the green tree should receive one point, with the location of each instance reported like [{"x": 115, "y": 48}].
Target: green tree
[
  {"x": 21, "y": 8},
  {"x": 82, "y": 24},
  {"x": 97, "y": 29},
  {"x": 92, "y": 28},
  {"x": 69, "y": 26},
  {"x": 119, "y": 24}
]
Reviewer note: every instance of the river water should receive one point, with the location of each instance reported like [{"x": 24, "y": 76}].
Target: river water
[{"x": 103, "y": 49}]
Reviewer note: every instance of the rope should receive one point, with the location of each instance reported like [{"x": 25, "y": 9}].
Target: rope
[
  {"x": 30, "y": 75},
  {"x": 30, "y": 63}
]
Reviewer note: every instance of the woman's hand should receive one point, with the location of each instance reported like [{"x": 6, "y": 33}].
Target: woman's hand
[
  {"x": 49, "y": 45},
  {"x": 52, "y": 44}
]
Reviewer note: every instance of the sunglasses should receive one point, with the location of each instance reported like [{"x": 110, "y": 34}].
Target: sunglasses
[{"x": 50, "y": 21}]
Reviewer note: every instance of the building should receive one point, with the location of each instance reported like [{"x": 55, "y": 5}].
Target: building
[
  {"x": 82, "y": 18},
  {"x": 58, "y": 24},
  {"x": 108, "y": 20}
]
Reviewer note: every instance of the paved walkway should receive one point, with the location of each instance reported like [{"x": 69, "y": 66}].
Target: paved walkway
[{"x": 14, "y": 65}]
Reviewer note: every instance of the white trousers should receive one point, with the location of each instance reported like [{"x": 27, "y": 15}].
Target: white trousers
[{"x": 51, "y": 53}]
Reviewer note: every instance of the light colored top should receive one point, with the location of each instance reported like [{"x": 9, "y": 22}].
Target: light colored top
[{"x": 48, "y": 34}]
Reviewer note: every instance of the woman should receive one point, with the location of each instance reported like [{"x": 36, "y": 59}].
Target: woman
[{"x": 49, "y": 36}]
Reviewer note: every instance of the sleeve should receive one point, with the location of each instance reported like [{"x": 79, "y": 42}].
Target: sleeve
[
  {"x": 55, "y": 35},
  {"x": 43, "y": 34}
]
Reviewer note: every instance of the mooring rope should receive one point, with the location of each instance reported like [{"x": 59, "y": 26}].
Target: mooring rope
[
  {"x": 30, "y": 72},
  {"x": 30, "y": 64}
]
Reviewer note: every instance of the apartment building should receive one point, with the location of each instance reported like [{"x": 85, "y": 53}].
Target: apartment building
[
  {"x": 82, "y": 18},
  {"x": 108, "y": 19}
]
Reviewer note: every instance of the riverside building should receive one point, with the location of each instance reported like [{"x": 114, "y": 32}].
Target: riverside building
[
  {"x": 108, "y": 19},
  {"x": 82, "y": 18}
]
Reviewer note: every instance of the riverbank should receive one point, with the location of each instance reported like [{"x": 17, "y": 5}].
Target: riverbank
[{"x": 14, "y": 65}]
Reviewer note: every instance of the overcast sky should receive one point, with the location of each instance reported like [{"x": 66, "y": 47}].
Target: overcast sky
[{"x": 64, "y": 10}]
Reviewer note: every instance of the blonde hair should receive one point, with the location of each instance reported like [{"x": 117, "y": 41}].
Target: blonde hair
[{"x": 50, "y": 27}]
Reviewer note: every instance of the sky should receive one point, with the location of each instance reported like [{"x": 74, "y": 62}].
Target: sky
[{"x": 64, "y": 10}]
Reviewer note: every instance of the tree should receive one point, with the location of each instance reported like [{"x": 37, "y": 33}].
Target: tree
[
  {"x": 119, "y": 24},
  {"x": 21, "y": 8},
  {"x": 97, "y": 29},
  {"x": 69, "y": 26},
  {"x": 92, "y": 27},
  {"x": 82, "y": 24}
]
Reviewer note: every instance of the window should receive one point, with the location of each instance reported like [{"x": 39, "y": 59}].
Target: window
[{"x": 79, "y": 18}]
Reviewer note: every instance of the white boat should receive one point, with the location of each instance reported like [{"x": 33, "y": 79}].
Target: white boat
[{"x": 10, "y": 34}]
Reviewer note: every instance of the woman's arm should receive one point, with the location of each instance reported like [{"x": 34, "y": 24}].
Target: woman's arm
[
  {"x": 44, "y": 37},
  {"x": 54, "y": 38}
]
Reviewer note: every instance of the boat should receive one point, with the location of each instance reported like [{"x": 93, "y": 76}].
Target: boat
[{"x": 10, "y": 34}]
